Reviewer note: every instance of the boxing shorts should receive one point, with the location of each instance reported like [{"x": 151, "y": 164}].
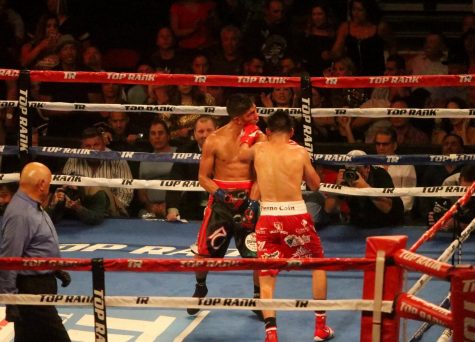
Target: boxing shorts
[
  {"x": 286, "y": 230},
  {"x": 222, "y": 221}
]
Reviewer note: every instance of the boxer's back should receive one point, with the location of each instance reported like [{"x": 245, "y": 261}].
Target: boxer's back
[{"x": 280, "y": 170}]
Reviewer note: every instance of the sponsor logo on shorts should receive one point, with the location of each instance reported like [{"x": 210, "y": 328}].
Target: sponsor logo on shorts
[
  {"x": 294, "y": 240},
  {"x": 278, "y": 228},
  {"x": 250, "y": 242},
  {"x": 301, "y": 252},
  {"x": 272, "y": 255},
  {"x": 261, "y": 245}
]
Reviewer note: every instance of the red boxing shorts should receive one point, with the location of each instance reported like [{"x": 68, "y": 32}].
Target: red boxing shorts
[
  {"x": 221, "y": 222},
  {"x": 286, "y": 230}
]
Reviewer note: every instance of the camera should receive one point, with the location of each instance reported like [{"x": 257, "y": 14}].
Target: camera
[
  {"x": 72, "y": 193},
  {"x": 350, "y": 175}
]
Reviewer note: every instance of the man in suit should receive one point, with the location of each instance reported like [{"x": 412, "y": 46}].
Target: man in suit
[{"x": 189, "y": 204}]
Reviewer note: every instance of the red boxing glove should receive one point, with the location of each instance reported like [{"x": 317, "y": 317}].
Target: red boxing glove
[{"x": 249, "y": 134}]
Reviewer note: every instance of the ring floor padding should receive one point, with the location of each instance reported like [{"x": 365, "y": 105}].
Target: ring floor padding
[{"x": 134, "y": 238}]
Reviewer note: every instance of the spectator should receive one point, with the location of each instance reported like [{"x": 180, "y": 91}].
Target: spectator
[
  {"x": 88, "y": 204},
  {"x": 122, "y": 135},
  {"x": 166, "y": 57},
  {"x": 200, "y": 64},
  {"x": 406, "y": 132},
  {"x": 363, "y": 38},
  {"x": 112, "y": 93},
  {"x": 288, "y": 64},
  {"x": 13, "y": 22},
  {"x": 270, "y": 35},
  {"x": 403, "y": 176},
  {"x": 253, "y": 66},
  {"x": 465, "y": 214},
  {"x": 434, "y": 175},
  {"x": 382, "y": 97},
  {"x": 468, "y": 39},
  {"x": 91, "y": 139},
  {"x": 69, "y": 23},
  {"x": 429, "y": 61},
  {"x": 368, "y": 211},
  {"x": 153, "y": 201},
  {"x": 69, "y": 123},
  {"x": 457, "y": 64},
  {"x": 459, "y": 126},
  {"x": 138, "y": 93},
  {"x": 226, "y": 58},
  {"x": 349, "y": 97},
  {"x": 187, "y": 95},
  {"x": 278, "y": 97},
  {"x": 92, "y": 58},
  {"x": 7, "y": 190},
  {"x": 193, "y": 22},
  {"x": 319, "y": 39},
  {"x": 39, "y": 52},
  {"x": 468, "y": 22},
  {"x": 189, "y": 204}
]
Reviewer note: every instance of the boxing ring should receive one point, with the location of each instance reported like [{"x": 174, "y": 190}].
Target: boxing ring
[{"x": 136, "y": 263}]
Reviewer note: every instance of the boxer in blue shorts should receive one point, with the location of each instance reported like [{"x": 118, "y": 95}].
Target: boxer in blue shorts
[{"x": 227, "y": 179}]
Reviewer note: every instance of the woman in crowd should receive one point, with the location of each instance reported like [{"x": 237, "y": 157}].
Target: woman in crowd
[
  {"x": 40, "y": 52},
  {"x": 462, "y": 127},
  {"x": 362, "y": 38},
  {"x": 319, "y": 39}
]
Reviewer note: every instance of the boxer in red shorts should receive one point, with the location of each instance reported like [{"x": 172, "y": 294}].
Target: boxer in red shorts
[
  {"x": 230, "y": 211},
  {"x": 284, "y": 228}
]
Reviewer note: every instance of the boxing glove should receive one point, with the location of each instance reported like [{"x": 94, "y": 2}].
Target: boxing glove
[{"x": 249, "y": 134}]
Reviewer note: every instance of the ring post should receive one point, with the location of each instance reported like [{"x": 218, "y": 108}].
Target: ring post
[
  {"x": 462, "y": 301},
  {"x": 99, "y": 293},
  {"x": 24, "y": 122},
  {"x": 306, "y": 86},
  {"x": 392, "y": 285}
]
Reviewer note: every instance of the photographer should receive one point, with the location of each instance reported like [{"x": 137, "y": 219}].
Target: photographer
[
  {"x": 367, "y": 211},
  {"x": 465, "y": 214},
  {"x": 89, "y": 204}
]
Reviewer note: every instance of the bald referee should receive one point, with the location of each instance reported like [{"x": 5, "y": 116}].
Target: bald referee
[{"x": 27, "y": 231}]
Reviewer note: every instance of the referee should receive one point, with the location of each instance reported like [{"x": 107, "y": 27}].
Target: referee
[{"x": 27, "y": 231}]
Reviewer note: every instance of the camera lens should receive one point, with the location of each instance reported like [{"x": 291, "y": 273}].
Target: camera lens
[{"x": 350, "y": 175}]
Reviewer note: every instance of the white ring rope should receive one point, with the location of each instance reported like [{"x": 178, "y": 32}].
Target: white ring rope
[
  {"x": 424, "y": 113},
  {"x": 193, "y": 185},
  {"x": 444, "y": 257},
  {"x": 207, "y": 302}
]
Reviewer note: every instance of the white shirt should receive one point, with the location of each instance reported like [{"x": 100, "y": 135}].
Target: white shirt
[{"x": 404, "y": 176}]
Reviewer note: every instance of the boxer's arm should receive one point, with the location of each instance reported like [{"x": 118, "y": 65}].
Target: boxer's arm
[
  {"x": 246, "y": 153},
  {"x": 206, "y": 170},
  {"x": 310, "y": 175}
]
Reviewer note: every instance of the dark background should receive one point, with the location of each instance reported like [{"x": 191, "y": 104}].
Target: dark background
[{"x": 113, "y": 23}]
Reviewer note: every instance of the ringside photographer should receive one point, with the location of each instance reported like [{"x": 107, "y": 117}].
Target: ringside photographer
[
  {"x": 465, "y": 214},
  {"x": 367, "y": 211}
]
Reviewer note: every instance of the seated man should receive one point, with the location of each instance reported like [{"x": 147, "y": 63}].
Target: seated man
[
  {"x": 189, "y": 204},
  {"x": 7, "y": 190},
  {"x": 152, "y": 201},
  {"x": 99, "y": 168},
  {"x": 368, "y": 211},
  {"x": 434, "y": 175},
  {"x": 403, "y": 176},
  {"x": 89, "y": 204},
  {"x": 465, "y": 214},
  {"x": 123, "y": 136}
]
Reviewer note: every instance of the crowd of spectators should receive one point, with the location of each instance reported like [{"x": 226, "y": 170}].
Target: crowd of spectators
[{"x": 268, "y": 37}]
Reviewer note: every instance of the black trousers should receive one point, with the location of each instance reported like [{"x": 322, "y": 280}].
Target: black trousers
[{"x": 39, "y": 323}]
